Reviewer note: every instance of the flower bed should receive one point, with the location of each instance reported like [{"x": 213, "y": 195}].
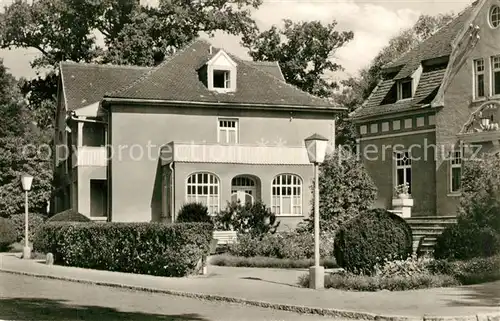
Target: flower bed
[
  {"x": 414, "y": 274},
  {"x": 267, "y": 262},
  {"x": 283, "y": 245}
]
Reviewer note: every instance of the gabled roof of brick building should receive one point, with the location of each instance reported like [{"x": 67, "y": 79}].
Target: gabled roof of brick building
[
  {"x": 177, "y": 80},
  {"x": 383, "y": 98},
  {"x": 84, "y": 84}
]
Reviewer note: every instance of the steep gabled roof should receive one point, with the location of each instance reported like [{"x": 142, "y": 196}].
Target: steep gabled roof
[
  {"x": 85, "y": 84},
  {"x": 437, "y": 47},
  {"x": 177, "y": 79}
]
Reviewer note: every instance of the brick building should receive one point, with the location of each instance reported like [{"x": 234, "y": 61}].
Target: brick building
[{"x": 435, "y": 107}]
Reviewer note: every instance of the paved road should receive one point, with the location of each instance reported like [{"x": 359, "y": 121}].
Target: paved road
[{"x": 29, "y": 298}]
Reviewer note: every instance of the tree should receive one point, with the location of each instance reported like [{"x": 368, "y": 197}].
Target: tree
[
  {"x": 133, "y": 34},
  {"x": 345, "y": 187},
  {"x": 304, "y": 50},
  {"x": 355, "y": 90},
  {"x": 21, "y": 151}
]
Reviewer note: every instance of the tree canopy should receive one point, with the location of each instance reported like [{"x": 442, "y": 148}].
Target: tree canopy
[
  {"x": 110, "y": 31},
  {"x": 21, "y": 151},
  {"x": 305, "y": 51}
]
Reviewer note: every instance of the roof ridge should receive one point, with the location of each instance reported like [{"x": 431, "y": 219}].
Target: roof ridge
[
  {"x": 434, "y": 34},
  {"x": 154, "y": 69},
  {"x": 276, "y": 79},
  {"x": 261, "y": 62},
  {"x": 88, "y": 64}
]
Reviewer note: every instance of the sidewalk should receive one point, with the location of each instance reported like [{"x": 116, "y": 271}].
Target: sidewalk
[{"x": 277, "y": 289}]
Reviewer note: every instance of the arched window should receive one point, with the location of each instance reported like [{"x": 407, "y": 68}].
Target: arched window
[
  {"x": 243, "y": 189},
  {"x": 494, "y": 16},
  {"x": 286, "y": 198},
  {"x": 204, "y": 188}
]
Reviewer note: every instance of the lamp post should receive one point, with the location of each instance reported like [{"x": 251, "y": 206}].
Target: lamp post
[
  {"x": 26, "y": 181},
  {"x": 316, "y": 149}
]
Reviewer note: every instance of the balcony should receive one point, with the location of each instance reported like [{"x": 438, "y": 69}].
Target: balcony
[
  {"x": 90, "y": 156},
  {"x": 233, "y": 154}
]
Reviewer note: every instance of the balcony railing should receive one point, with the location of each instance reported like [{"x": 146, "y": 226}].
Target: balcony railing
[
  {"x": 90, "y": 156},
  {"x": 233, "y": 154}
]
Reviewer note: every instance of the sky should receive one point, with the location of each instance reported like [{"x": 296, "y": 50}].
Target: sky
[{"x": 374, "y": 23}]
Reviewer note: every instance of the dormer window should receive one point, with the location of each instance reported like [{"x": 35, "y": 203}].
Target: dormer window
[
  {"x": 219, "y": 74},
  {"x": 405, "y": 90},
  {"x": 222, "y": 79}
]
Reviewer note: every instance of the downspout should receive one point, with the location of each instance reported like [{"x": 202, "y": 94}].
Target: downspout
[{"x": 172, "y": 194}]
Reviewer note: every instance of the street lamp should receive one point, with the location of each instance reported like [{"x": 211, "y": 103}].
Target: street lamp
[
  {"x": 26, "y": 181},
  {"x": 316, "y": 149}
]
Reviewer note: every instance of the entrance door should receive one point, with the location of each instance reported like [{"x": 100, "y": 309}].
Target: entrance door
[{"x": 243, "y": 189}]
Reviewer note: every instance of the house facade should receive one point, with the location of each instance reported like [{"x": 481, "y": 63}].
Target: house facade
[
  {"x": 435, "y": 107},
  {"x": 203, "y": 126}
]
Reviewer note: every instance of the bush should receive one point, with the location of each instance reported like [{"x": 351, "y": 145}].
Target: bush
[
  {"x": 256, "y": 219},
  {"x": 194, "y": 213},
  {"x": 346, "y": 190},
  {"x": 69, "y": 216},
  {"x": 465, "y": 241},
  {"x": 480, "y": 198},
  {"x": 369, "y": 239},
  {"x": 354, "y": 282},
  {"x": 474, "y": 271},
  {"x": 282, "y": 245},
  {"x": 7, "y": 233},
  {"x": 268, "y": 262},
  {"x": 34, "y": 222},
  {"x": 146, "y": 248},
  {"x": 477, "y": 232}
]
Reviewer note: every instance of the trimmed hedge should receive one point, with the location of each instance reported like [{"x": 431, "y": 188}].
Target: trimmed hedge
[
  {"x": 145, "y": 248},
  {"x": 69, "y": 216},
  {"x": 34, "y": 222},
  {"x": 7, "y": 233},
  {"x": 370, "y": 238},
  {"x": 268, "y": 262}
]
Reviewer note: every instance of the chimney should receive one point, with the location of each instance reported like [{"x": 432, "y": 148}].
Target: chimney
[{"x": 210, "y": 49}]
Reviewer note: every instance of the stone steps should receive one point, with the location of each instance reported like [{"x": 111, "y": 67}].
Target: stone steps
[{"x": 425, "y": 231}]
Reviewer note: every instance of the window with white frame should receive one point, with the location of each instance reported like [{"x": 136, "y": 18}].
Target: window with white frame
[
  {"x": 222, "y": 79},
  {"x": 402, "y": 169},
  {"x": 455, "y": 171},
  {"x": 228, "y": 131},
  {"x": 495, "y": 75},
  {"x": 479, "y": 78},
  {"x": 405, "y": 89},
  {"x": 204, "y": 188},
  {"x": 286, "y": 198}
]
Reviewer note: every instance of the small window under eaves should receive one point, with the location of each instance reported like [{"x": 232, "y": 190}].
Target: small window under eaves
[{"x": 405, "y": 90}]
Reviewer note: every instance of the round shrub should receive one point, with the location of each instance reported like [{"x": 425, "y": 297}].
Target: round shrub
[
  {"x": 34, "y": 222},
  {"x": 194, "y": 213},
  {"x": 69, "y": 216},
  {"x": 369, "y": 238},
  {"x": 465, "y": 241},
  {"x": 7, "y": 233}
]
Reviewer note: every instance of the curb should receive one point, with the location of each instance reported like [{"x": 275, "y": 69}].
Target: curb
[{"x": 276, "y": 306}]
